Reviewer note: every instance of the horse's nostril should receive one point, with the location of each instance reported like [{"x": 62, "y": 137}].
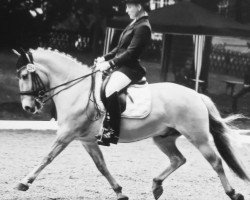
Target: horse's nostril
[{"x": 29, "y": 109}]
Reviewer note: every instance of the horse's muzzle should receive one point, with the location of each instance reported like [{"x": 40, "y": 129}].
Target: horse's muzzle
[
  {"x": 33, "y": 107},
  {"x": 30, "y": 109}
]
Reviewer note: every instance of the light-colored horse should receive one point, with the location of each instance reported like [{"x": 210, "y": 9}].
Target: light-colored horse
[{"x": 176, "y": 110}]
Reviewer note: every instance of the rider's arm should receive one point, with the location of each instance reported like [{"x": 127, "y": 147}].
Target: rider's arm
[
  {"x": 141, "y": 37},
  {"x": 111, "y": 54}
]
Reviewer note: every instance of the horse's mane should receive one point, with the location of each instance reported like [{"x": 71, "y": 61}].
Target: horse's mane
[{"x": 57, "y": 52}]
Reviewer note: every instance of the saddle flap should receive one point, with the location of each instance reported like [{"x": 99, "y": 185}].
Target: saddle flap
[
  {"x": 138, "y": 102},
  {"x": 135, "y": 100}
]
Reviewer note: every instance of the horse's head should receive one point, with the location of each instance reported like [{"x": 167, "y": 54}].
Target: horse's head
[{"x": 32, "y": 81}]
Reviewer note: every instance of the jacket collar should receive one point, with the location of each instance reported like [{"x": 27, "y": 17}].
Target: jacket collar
[
  {"x": 141, "y": 18},
  {"x": 136, "y": 22},
  {"x": 130, "y": 27}
]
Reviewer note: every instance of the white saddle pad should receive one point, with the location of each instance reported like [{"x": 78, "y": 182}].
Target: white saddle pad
[{"x": 138, "y": 102}]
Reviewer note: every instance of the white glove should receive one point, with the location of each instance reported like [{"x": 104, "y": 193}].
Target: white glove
[
  {"x": 102, "y": 66},
  {"x": 99, "y": 60}
]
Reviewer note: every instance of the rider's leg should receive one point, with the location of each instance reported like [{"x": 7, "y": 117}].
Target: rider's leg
[{"x": 116, "y": 83}]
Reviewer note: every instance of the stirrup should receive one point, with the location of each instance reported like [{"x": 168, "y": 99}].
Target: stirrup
[
  {"x": 107, "y": 137},
  {"x": 105, "y": 128},
  {"x": 110, "y": 135},
  {"x": 100, "y": 142}
]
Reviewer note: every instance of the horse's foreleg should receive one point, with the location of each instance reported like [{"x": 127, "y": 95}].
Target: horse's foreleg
[
  {"x": 58, "y": 146},
  {"x": 167, "y": 145},
  {"x": 97, "y": 156}
]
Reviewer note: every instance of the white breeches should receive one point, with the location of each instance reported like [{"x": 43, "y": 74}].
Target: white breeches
[{"x": 117, "y": 82}]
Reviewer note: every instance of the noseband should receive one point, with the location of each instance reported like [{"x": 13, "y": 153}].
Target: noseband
[{"x": 38, "y": 88}]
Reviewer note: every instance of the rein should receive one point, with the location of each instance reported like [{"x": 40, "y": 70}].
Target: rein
[
  {"x": 39, "y": 91},
  {"x": 79, "y": 79}
]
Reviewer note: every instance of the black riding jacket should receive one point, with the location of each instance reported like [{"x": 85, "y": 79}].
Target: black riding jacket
[{"x": 132, "y": 43}]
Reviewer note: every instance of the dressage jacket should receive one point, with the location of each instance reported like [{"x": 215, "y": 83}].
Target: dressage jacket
[{"x": 133, "y": 40}]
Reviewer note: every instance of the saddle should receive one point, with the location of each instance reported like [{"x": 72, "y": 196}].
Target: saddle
[{"x": 135, "y": 99}]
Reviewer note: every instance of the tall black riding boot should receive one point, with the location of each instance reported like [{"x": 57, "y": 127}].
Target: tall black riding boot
[{"x": 111, "y": 135}]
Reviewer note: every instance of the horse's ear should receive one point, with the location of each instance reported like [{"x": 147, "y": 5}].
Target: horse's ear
[
  {"x": 22, "y": 52},
  {"x": 24, "y": 55},
  {"x": 16, "y": 52}
]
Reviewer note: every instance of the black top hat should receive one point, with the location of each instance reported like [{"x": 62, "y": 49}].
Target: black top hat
[{"x": 137, "y": 1}]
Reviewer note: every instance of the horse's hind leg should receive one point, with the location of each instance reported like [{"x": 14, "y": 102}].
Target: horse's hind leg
[
  {"x": 215, "y": 161},
  {"x": 168, "y": 146}
]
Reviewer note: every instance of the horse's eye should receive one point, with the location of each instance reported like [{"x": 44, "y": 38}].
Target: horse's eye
[{"x": 24, "y": 76}]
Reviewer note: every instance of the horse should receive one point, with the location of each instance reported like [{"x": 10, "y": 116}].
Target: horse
[{"x": 176, "y": 110}]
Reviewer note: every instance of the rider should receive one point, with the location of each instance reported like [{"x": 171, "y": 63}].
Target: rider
[{"x": 124, "y": 61}]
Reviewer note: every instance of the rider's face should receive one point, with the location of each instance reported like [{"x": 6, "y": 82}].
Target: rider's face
[{"x": 133, "y": 10}]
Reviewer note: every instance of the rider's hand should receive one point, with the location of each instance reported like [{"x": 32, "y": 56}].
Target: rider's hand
[
  {"x": 99, "y": 60},
  {"x": 102, "y": 66}
]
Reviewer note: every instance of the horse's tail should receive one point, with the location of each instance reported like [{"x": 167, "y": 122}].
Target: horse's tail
[{"x": 219, "y": 128}]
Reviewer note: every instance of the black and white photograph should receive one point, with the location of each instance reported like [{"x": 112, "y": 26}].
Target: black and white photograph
[{"x": 124, "y": 99}]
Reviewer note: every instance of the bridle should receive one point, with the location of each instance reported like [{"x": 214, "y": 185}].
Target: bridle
[
  {"x": 38, "y": 89},
  {"x": 40, "y": 93}
]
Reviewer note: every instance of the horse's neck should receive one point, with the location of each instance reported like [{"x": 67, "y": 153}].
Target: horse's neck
[
  {"x": 61, "y": 69},
  {"x": 58, "y": 68}
]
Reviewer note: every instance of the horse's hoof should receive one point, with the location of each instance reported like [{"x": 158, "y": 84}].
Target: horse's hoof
[
  {"x": 122, "y": 197},
  {"x": 22, "y": 187},
  {"x": 239, "y": 197},
  {"x": 157, "y": 192}
]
